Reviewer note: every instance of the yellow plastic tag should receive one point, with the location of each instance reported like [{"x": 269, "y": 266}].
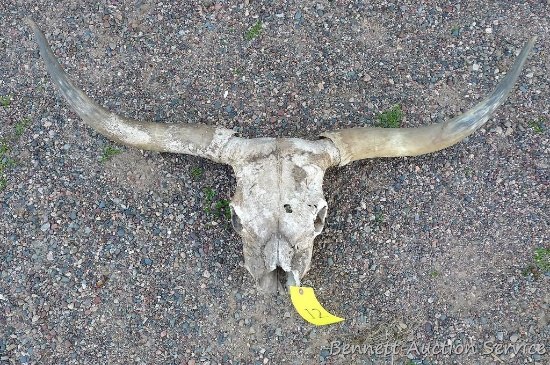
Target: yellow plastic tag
[{"x": 309, "y": 308}]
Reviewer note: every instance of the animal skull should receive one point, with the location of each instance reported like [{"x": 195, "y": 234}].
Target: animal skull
[{"x": 278, "y": 208}]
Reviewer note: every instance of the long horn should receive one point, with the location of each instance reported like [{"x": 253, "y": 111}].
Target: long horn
[
  {"x": 194, "y": 139},
  {"x": 359, "y": 143}
]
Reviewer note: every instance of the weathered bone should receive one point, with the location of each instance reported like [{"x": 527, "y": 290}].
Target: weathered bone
[
  {"x": 360, "y": 143},
  {"x": 278, "y": 207},
  {"x": 194, "y": 139}
]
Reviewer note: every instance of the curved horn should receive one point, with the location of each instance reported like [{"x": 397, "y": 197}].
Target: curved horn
[
  {"x": 194, "y": 139},
  {"x": 366, "y": 142}
]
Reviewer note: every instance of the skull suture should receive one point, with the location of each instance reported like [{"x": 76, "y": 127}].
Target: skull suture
[{"x": 278, "y": 207}]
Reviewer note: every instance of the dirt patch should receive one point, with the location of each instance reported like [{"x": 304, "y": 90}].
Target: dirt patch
[{"x": 132, "y": 171}]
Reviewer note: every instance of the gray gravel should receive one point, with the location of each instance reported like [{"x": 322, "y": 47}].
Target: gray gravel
[{"x": 118, "y": 262}]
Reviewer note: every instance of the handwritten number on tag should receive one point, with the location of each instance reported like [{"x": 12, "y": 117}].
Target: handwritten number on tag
[{"x": 319, "y": 313}]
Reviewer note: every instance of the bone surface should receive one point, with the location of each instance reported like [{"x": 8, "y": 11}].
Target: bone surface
[{"x": 278, "y": 207}]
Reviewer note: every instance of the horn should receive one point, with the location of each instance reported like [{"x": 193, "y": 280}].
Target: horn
[
  {"x": 366, "y": 142},
  {"x": 194, "y": 139}
]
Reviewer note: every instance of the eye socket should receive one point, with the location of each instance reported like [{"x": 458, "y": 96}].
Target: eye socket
[
  {"x": 319, "y": 222},
  {"x": 236, "y": 221}
]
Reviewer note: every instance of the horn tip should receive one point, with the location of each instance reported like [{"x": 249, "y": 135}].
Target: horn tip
[{"x": 28, "y": 20}]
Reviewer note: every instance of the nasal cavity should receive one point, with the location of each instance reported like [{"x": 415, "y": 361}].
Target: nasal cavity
[{"x": 288, "y": 208}]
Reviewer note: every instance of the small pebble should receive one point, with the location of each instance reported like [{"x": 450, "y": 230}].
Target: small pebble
[{"x": 428, "y": 328}]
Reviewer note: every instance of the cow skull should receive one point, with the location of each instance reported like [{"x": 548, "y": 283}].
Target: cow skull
[{"x": 278, "y": 207}]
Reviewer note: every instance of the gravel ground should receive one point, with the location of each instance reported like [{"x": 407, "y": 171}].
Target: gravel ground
[{"x": 118, "y": 262}]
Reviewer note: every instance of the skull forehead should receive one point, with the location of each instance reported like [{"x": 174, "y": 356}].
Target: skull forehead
[
  {"x": 278, "y": 196},
  {"x": 283, "y": 173}
]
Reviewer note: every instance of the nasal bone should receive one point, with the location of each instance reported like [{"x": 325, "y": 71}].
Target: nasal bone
[{"x": 283, "y": 259}]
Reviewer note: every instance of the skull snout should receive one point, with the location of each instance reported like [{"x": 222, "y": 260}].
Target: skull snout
[{"x": 279, "y": 254}]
